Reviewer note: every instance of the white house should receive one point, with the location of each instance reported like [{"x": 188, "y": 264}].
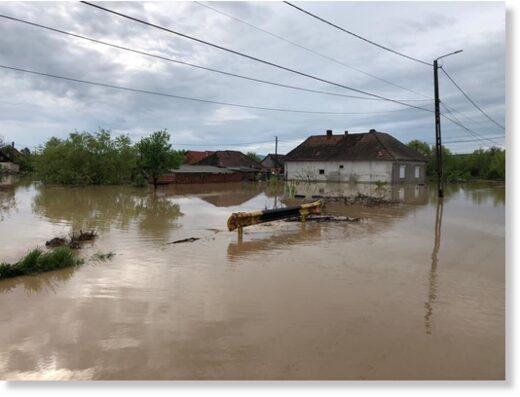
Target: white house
[{"x": 367, "y": 157}]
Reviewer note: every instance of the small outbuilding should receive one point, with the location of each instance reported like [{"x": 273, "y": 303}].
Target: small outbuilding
[
  {"x": 235, "y": 161},
  {"x": 364, "y": 157},
  {"x": 187, "y": 173},
  {"x": 274, "y": 163},
  {"x": 8, "y": 154}
]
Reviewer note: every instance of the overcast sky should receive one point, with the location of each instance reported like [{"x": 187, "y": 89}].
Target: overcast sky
[{"x": 34, "y": 108}]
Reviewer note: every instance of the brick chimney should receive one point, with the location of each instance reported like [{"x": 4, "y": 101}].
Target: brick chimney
[
  {"x": 346, "y": 132},
  {"x": 329, "y": 133}
]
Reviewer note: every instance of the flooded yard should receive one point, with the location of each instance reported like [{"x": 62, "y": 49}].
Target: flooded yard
[{"x": 412, "y": 291}]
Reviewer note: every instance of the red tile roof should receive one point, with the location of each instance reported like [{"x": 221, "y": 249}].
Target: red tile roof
[
  {"x": 193, "y": 156},
  {"x": 230, "y": 158},
  {"x": 367, "y": 146}
]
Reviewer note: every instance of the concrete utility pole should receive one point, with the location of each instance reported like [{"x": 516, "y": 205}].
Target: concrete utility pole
[
  {"x": 438, "y": 140},
  {"x": 275, "y": 147}
]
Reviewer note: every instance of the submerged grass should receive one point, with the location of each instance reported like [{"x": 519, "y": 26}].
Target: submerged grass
[{"x": 38, "y": 261}]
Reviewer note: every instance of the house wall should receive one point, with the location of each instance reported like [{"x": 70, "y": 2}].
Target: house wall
[
  {"x": 409, "y": 172},
  {"x": 352, "y": 171},
  {"x": 8, "y": 166},
  {"x": 268, "y": 163},
  {"x": 193, "y": 177}
]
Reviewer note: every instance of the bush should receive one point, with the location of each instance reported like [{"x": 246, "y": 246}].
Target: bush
[{"x": 86, "y": 159}]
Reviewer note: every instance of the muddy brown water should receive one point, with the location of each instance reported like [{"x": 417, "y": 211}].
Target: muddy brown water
[{"x": 413, "y": 291}]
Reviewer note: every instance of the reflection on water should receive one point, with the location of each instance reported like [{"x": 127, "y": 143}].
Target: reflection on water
[
  {"x": 7, "y": 201},
  {"x": 33, "y": 284},
  {"x": 432, "y": 277},
  {"x": 104, "y": 207},
  {"x": 291, "y": 301}
]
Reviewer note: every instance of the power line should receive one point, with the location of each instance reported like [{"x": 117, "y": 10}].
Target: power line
[
  {"x": 473, "y": 133},
  {"x": 454, "y": 111},
  {"x": 189, "y": 64},
  {"x": 253, "y": 58},
  {"x": 188, "y": 98},
  {"x": 468, "y": 131},
  {"x": 469, "y": 140},
  {"x": 471, "y": 100},
  {"x": 310, "y": 50},
  {"x": 356, "y": 35},
  {"x": 224, "y": 144}
]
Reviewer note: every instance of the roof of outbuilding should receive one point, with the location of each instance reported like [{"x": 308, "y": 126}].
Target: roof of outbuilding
[
  {"x": 368, "y": 146},
  {"x": 278, "y": 159},
  {"x": 229, "y": 158},
  {"x": 192, "y": 156},
  {"x": 200, "y": 169}
]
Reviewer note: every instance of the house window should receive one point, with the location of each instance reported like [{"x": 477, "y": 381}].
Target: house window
[
  {"x": 417, "y": 172},
  {"x": 322, "y": 172},
  {"x": 402, "y": 171},
  {"x": 341, "y": 166}
]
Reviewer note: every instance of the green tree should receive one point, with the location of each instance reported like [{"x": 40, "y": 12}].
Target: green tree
[
  {"x": 86, "y": 159},
  {"x": 427, "y": 151},
  {"x": 156, "y": 156},
  {"x": 253, "y": 156}
]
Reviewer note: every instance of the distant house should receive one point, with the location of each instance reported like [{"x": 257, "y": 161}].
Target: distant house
[
  {"x": 235, "y": 161},
  {"x": 8, "y": 154},
  {"x": 187, "y": 173},
  {"x": 192, "y": 156},
  {"x": 274, "y": 163},
  {"x": 367, "y": 157}
]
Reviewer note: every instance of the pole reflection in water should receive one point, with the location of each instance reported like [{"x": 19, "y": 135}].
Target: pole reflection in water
[{"x": 432, "y": 277}]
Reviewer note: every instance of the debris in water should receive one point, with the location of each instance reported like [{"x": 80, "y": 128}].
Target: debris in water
[
  {"x": 98, "y": 256},
  {"x": 361, "y": 199},
  {"x": 84, "y": 236},
  {"x": 56, "y": 242},
  {"x": 186, "y": 240},
  {"x": 75, "y": 240},
  {"x": 324, "y": 218}
]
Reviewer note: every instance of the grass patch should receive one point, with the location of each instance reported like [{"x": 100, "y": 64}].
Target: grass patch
[{"x": 38, "y": 261}]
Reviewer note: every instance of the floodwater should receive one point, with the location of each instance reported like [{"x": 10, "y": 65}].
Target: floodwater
[{"x": 413, "y": 291}]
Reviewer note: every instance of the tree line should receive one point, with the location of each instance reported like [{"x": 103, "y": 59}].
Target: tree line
[
  {"x": 86, "y": 158},
  {"x": 484, "y": 164}
]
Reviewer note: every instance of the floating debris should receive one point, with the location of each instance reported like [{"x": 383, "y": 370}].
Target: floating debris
[
  {"x": 186, "y": 240},
  {"x": 98, "y": 256},
  {"x": 84, "y": 236},
  {"x": 324, "y": 218},
  {"x": 361, "y": 199},
  {"x": 55, "y": 242},
  {"x": 75, "y": 240}
]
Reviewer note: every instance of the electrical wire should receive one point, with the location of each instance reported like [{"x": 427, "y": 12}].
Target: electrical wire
[
  {"x": 454, "y": 111},
  {"x": 191, "y": 64},
  {"x": 252, "y": 57},
  {"x": 473, "y": 133},
  {"x": 471, "y": 100},
  {"x": 312, "y": 51},
  {"x": 188, "y": 98},
  {"x": 356, "y": 35}
]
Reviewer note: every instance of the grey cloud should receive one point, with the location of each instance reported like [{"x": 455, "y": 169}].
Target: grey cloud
[{"x": 480, "y": 70}]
